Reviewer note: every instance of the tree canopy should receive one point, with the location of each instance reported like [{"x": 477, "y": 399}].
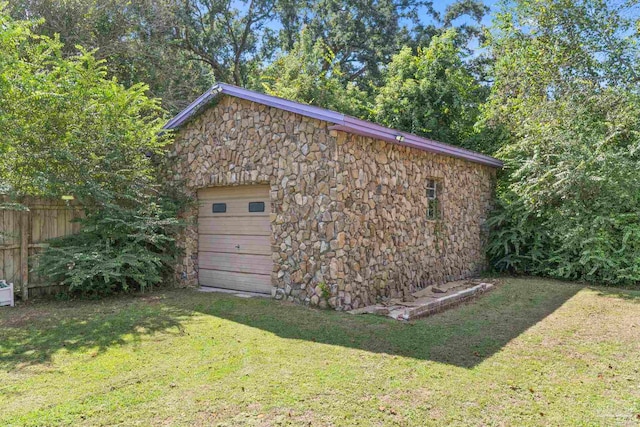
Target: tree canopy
[
  {"x": 137, "y": 39},
  {"x": 67, "y": 128},
  {"x": 310, "y": 73},
  {"x": 179, "y": 48},
  {"x": 431, "y": 93}
]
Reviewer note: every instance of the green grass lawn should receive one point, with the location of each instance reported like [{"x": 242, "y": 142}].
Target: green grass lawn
[{"x": 531, "y": 352}]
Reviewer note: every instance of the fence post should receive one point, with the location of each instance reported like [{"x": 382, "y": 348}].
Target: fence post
[{"x": 24, "y": 254}]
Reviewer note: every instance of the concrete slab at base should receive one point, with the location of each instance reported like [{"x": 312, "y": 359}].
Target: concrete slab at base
[
  {"x": 239, "y": 294},
  {"x": 427, "y": 302}
]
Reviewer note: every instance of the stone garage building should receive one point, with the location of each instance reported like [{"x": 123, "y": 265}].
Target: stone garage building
[{"x": 317, "y": 207}]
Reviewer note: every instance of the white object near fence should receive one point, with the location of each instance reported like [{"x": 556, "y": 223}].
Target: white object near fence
[{"x": 6, "y": 293}]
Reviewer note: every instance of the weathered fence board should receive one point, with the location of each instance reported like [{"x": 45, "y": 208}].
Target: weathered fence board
[{"x": 23, "y": 234}]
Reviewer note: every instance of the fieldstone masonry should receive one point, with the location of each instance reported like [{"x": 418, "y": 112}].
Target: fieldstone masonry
[{"x": 348, "y": 213}]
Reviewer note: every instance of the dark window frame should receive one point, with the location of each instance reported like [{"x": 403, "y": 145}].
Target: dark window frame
[
  {"x": 434, "y": 193},
  {"x": 219, "y": 210},
  {"x": 256, "y": 207}
]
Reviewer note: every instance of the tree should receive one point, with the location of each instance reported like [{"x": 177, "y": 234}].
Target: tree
[
  {"x": 237, "y": 38},
  {"x": 137, "y": 39},
  {"x": 465, "y": 16},
  {"x": 432, "y": 93},
  {"x": 310, "y": 74},
  {"x": 67, "y": 128},
  {"x": 363, "y": 34},
  {"x": 566, "y": 90},
  {"x": 179, "y": 47},
  {"x": 549, "y": 49},
  {"x": 232, "y": 41}
]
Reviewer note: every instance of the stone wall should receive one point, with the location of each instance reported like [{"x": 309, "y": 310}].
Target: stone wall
[{"x": 348, "y": 212}]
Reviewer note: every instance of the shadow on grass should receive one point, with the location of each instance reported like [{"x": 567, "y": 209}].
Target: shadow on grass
[
  {"x": 32, "y": 334},
  {"x": 463, "y": 336}
]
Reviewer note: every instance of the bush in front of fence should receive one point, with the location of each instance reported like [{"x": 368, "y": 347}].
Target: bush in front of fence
[{"x": 117, "y": 249}]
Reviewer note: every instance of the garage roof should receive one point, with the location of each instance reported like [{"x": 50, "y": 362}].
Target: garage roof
[{"x": 339, "y": 122}]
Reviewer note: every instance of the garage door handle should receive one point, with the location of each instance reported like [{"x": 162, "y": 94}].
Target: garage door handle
[{"x": 237, "y": 246}]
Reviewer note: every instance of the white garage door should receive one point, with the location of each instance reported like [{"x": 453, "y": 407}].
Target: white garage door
[{"x": 234, "y": 242}]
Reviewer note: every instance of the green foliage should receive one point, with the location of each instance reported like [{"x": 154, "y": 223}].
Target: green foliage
[
  {"x": 179, "y": 47},
  {"x": 572, "y": 207},
  {"x": 236, "y": 38},
  {"x": 67, "y": 128},
  {"x": 570, "y": 199},
  {"x": 326, "y": 291},
  {"x": 310, "y": 74},
  {"x": 70, "y": 130},
  {"x": 230, "y": 37},
  {"x": 330, "y": 53},
  {"x": 518, "y": 241},
  {"x": 433, "y": 94},
  {"x": 362, "y": 34},
  {"x": 548, "y": 49},
  {"x": 117, "y": 249},
  {"x": 137, "y": 39}
]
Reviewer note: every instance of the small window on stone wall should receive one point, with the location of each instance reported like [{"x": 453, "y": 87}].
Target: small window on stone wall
[{"x": 433, "y": 199}]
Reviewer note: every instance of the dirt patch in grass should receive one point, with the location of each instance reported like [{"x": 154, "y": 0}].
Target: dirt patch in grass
[{"x": 22, "y": 317}]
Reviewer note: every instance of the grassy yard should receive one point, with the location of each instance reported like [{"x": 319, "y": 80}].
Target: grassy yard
[{"x": 531, "y": 352}]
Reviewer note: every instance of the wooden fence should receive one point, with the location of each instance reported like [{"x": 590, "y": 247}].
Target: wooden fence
[{"x": 23, "y": 234}]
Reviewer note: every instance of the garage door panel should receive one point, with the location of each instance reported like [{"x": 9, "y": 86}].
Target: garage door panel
[
  {"x": 234, "y": 246},
  {"x": 256, "y": 264},
  {"x": 257, "y": 245},
  {"x": 236, "y": 281},
  {"x": 257, "y": 226},
  {"x": 230, "y": 193}
]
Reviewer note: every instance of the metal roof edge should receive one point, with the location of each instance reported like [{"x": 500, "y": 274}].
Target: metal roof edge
[
  {"x": 339, "y": 120},
  {"x": 409, "y": 139},
  {"x": 193, "y": 108},
  {"x": 283, "y": 104}
]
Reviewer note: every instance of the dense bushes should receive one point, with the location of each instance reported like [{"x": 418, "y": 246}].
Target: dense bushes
[
  {"x": 566, "y": 88},
  {"x": 570, "y": 207},
  {"x": 574, "y": 213},
  {"x": 117, "y": 249},
  {"x": 601, "y": 247}
]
